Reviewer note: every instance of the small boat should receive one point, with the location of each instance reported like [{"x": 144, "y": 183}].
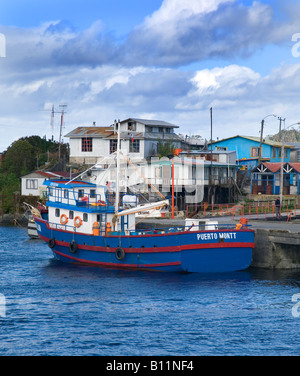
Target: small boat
[
  {"x": 41, "y": 211},
  {"x": 89, "y": 225}
]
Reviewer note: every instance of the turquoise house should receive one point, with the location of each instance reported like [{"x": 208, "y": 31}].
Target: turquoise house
[{"x": 247, "y": 150}]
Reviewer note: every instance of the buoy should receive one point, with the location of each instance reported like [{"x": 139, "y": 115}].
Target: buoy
[
  {"x": 244, "y": 221},
  {"x": 51, "y": 243},
  {"x": 77, "y": 221},
  {"x": 63, "y": 219},
  {"x": 108, "y": 228},
  {"x": 96, "y": 229},
  {"x": 73, "y": 247},
  {"x": 120, "y": 253}
]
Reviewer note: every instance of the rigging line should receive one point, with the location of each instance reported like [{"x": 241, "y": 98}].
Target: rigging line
[
  {"x": 145, "y": 216},
  {"x": 141, "y": 175}
]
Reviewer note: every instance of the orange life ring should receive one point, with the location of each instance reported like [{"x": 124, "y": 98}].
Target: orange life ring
[
  {"x": 63, "y": 219},
  {"x": 77, "y": 222}
]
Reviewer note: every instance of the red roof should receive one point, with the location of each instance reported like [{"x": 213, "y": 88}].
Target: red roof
[
  {"x": 274, "y": 167},
  {"x": 296, "y": 166}
]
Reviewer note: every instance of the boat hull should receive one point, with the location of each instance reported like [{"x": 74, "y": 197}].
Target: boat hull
[{"x": 187, "y": 251}]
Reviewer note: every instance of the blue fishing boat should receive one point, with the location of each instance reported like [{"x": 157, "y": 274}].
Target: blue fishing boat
[
  {"x": 83, "y": 227},
  {"x": 89, "y": 225}
]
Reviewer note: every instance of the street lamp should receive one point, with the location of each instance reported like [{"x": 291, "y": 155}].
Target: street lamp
[
  {"x": 261, "y": 137},
  {"x": 282, "y": 157}
]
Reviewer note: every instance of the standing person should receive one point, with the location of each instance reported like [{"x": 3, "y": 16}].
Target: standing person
[{"x": 277, "y": 206}]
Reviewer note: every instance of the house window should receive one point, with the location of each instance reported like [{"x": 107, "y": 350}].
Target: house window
[
  {"x": 285, "y": 153},
  {"x": 87, "y": 144},
  {"x": 131, "y": 126},
  {"x": 221, "y": 148},
  {"x": 134, "y": 146},
  {"x": 254, "y": 152},
  {"x": 31, "y": 183},
  {"x": 279, "y": 152},
  {"x": 273, "y": 152},
  {"x": 113, "y": 144},
  {"x": 158, "y": 172}
]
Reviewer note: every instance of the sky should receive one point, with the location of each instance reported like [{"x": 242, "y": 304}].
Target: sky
[{"x": 169, "y": 60}]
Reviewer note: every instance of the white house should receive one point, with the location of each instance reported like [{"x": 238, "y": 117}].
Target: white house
[
  {"x": 139, "y": 139},
  {"x": 32, "y": 183}
]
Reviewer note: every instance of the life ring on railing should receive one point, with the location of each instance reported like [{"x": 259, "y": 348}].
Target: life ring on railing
[
  {"x": 63, "y": 219},
  {"x": 77, "y": 222},
  {"x": 73, "y": 247},
  {"x": 51, "y": 243},
  {"x": 120, "y": 253}
]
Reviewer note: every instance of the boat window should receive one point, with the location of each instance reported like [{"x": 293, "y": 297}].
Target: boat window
[
  {"x": 71, "y": 214},
  {"x": 51, "y": 191},
  {"x": 80, "y": 193},
  {"x": 92, "y": 193},
  {"x": 66, "y": 193},
  {"x": 85, "y": 217},
  {"x": 57, "y": 212}
]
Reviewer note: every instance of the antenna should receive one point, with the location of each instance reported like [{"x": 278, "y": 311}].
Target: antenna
[
  {"x": 63, "y": 106},
  {"x": 52, "y": 121}
]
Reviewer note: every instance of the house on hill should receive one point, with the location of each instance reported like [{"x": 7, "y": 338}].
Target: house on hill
[
  {"x": 247, "y": 150},
  {"x": 32, "y": 183},
  {"x": 139, "y": 140}
]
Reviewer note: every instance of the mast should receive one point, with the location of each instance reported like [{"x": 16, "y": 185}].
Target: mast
[{"x": 118, "y": 168}]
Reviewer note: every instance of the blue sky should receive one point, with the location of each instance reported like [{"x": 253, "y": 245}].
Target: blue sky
[{"x": 169, "y": 60}]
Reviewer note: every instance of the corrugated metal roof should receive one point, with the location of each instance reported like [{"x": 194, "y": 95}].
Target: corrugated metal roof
[
  {"x": 91, "y": 132},
  {"x": 152, "y": 123},
  {"x": 256, "y": 139}
]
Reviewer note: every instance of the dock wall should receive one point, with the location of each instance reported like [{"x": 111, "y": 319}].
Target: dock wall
[{"x": 276, "y": 249}]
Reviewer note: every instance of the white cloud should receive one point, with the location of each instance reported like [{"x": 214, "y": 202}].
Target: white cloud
[{"x": 233, "y": 79}]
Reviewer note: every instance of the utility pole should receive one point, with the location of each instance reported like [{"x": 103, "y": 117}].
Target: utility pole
[
  {"x": 282, "y": 158},
  {"x": 260, "y": 144},
  {"x": 260, "y": 154}
]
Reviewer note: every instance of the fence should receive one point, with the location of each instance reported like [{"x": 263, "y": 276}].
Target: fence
[{"x": 254, "y": 210}]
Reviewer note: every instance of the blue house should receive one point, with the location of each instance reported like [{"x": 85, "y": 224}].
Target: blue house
[
  {"x": 265, "y": 178},
  {"x": 247, "y": 150}
]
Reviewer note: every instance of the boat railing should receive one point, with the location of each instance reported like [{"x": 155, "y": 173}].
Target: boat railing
[{"x": 151, "y": 230}]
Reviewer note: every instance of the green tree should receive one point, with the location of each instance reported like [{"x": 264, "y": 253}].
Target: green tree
[
  {"x": 22, "y": 157},
  {"x": 165, "y": 148}
]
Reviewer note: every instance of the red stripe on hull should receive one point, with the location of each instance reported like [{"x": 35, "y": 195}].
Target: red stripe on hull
[{"x": 114, "y": 265}]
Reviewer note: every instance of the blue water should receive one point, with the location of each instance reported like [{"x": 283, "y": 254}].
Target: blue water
[{"x": 49, "y": 308}]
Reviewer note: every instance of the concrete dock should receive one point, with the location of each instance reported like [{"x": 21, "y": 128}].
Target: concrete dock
[{"x": 277, "y": 242}]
